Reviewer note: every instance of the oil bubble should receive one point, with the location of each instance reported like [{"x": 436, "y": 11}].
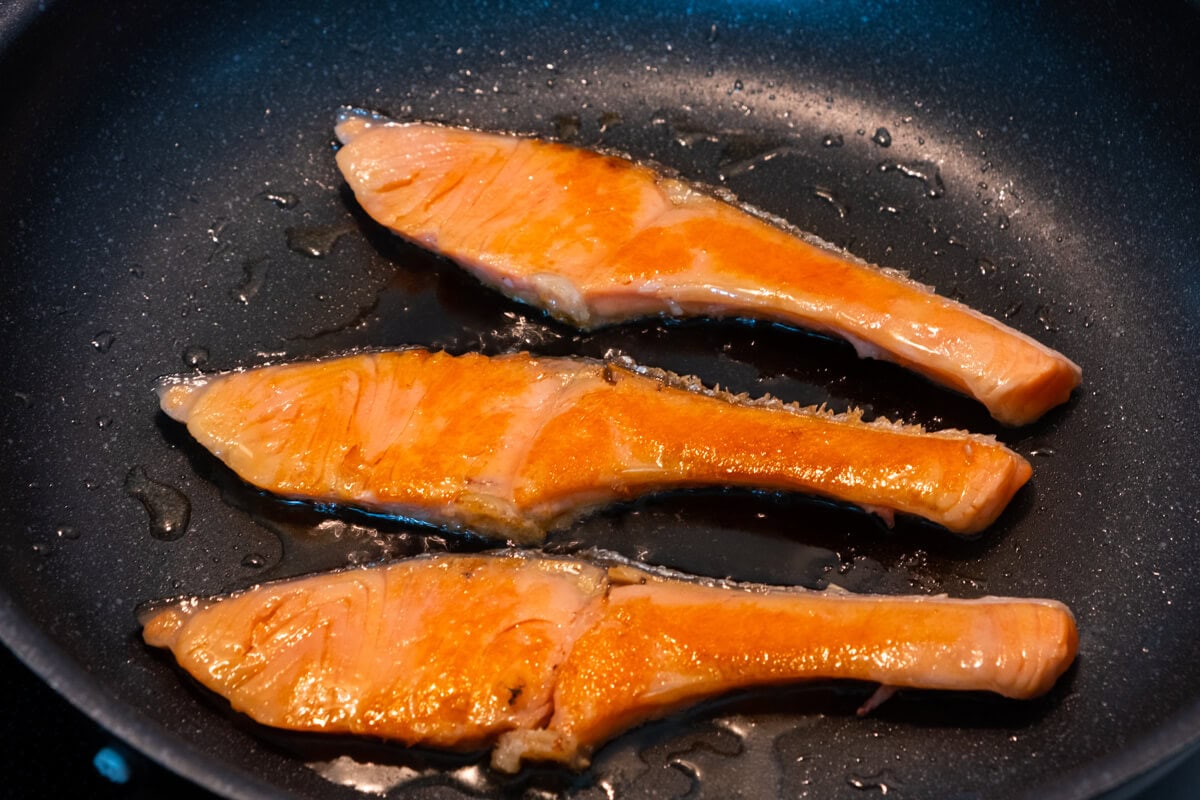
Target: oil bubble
[{"x": 195, "y": 356}]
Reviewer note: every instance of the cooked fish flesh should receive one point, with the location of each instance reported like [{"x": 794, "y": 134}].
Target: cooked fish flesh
[
  {"x": 548, "y": 658},
  {"x": 595, "y": 239},
  {"x": 513, "y": 446}
]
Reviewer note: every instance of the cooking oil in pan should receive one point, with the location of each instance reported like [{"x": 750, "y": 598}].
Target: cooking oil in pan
[
  {"x": 924, "y": 171},
  {"x": 195, "y": 356},
  {"x": 103, "y": 341},
  {"x": 168, "y": 508},
  {"x": 881, "y": 782},
  {"x": 317, "y": 241},
  {"x": 281, "y": 199},
  {"x": 254, "y": 276}
]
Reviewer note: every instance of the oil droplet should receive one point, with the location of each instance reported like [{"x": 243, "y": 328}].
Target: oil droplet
[
  {"x": 743, "y": 152},
  {"x": 357, "y": 557},
  {"x": 1046, "y": 452},
  {"x": 882, "y": 137},
  {"x": 523, "y": 333},
  {"x": 567, "y": 127},
  {"x": 1012, "y": 310},
  {"x": 103, "y": 422},
  {"x": 316, "y": 241},
  {"x": 195, "y": 356},
  {"x": 829, "y": 197},
  {"x": 880, "y": 782},
  {"x": 103, "y": 341},
  {"x": 986, "y": 267},
  {"x": 1045, "y": 316},
  {"x": 281, "y": 199},
  {"x": 169, "y": 508},
  {"x": 833, "y": 140},
  {"x": 1002, "y": 221},
  {"x": 610, "y": 119},
  {"x": 731, "y": 165},
  {"x": 217, "y": 228},
  {"x": 738, "y": 85},
  {"x": 924, "y": 171},
  {"x": 688, "y": 136},
  {"x": 66, "y": 532},
  {"x": 43, "y": 549},
  {"x": 254, "y": 561},
  {"x": 255, "y": 276}
]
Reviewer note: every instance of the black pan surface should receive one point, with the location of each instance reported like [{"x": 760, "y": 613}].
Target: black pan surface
[{"x": 171, "y": 202}]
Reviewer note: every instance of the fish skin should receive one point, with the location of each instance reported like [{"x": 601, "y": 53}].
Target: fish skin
[
  {"x": 595, "y": 239},
  {"x": 514, "y": 446},
  {"x": 547, "y": 658}
]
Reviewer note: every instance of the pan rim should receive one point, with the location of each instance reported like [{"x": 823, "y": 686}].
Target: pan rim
[
  {"x": 74, "y": 683},
  {"x": 16, "y": 16}
]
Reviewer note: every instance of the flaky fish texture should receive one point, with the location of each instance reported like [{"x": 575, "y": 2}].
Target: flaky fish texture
[
  {"x": 595, "y": 239},
  {"x": 547, "y": 658},
  {"x": 514, "y": 446}
]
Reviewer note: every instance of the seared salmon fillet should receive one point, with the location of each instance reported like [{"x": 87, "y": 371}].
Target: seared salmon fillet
[
  {"x": 513, "y": 446},
  {"x": 547, "y": 658},
  {"x": 595, "y": 239}
]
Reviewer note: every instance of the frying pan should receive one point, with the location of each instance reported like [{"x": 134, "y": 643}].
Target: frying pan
[{"x": 170, "y": 201}]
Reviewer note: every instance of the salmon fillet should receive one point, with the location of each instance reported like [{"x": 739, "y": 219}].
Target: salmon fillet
[
  {"x": 513, "y": 446},
  {"x": 547, "y": 658},
  {"x": 595, "y": 239}
]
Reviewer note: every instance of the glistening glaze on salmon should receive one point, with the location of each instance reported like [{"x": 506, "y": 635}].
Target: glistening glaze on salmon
[
  {"x": 548, "y": 658},
  {"x": 595, "y": 239},
  {"x": 512, "y": 446}
]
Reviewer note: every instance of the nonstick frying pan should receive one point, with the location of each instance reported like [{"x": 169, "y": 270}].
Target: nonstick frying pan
[{"x": 171, "y": 203}]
